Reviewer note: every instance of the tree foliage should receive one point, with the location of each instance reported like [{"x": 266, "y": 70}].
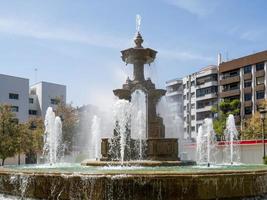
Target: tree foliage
[
  {"x": 69, "y": 117},
  {"x": 31, "y": 135},
  {"x": 222, "y": 111},
  {"x": 18, "y": 138},
  {"x": 253, "y": 126},
  {"x": 8, "y": 133}
]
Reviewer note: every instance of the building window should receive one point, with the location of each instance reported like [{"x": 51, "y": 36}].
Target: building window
[
  {"x": 185, "y": 108},
  {"x": 248, "y": 97},
  {"x": 15, "y": 120},
  {"x": 192, "y": 94},
  {"x": 193, "y": 117},
  {"x": 32, "y": 112},
  {"x": 208, "y": 90},
  {"x": 13, "y": 96},
  {"x": 208, "y": 78},
  {"x": 193, "y": 106},
  {"x": 31, "y": 100},
  {"x": 192, "y": 128},
  {"x": 247, "y": 83},
  {"x": 260, "y": 94},
  {"x": 247, "y": 69},
  {"x": 14, "y": 109},
  {"x": 260, "y": 80},
  {"x": 231, "y": 86},
  {"x": 192, "y": 83},
  {"x": 260, "y": 66},
  {"x": 230, "y": 74},
  {"x": 54, "y": 101},
  {"x": 248, "y": 110}
]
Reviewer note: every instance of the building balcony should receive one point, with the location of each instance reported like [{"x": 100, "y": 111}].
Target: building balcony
[
  {"x": 207, "y": 96},
  {"x": 204, "y": 109},
  {"x": 247, "y": 76},
  {"x": 259, "y": 73},
  {"x": 230, "y": 93},
  {"x": 260, "y": 87},
  {"x": 206, "y": 84},
  {"x": 259, "y": 101},
  {"x": 173, "y": 93},
  {"x": 247, "y": 103},
  {"x": 230, "y": 80},
  {"x": 247, "y": 90},
  {"x": 247, "y": 116}
]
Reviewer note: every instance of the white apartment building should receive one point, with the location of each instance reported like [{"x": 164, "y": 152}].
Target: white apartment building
[
  {"x": 28, "y": 101},
  {"x": 46, "y": 95},
  {"x": 174, "y": 98},
  {"x": 15, "y": 92},
  {"x": 200, "y": 94}
]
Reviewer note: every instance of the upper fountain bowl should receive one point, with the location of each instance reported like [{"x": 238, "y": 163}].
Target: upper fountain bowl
[{"x": 138, "y": 53}]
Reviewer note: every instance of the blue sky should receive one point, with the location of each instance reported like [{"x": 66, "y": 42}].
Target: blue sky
[{"x": 78, "y": 43}]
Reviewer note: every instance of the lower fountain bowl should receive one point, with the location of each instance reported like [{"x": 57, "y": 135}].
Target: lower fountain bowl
[{"x": 135, "y": 183}]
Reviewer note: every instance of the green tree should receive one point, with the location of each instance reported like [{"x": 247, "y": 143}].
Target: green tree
[
  {"x": 8, "y": 133},
  {"x": 30, "y": 137},
  {"x": 222, "y": 111},
  {"x": 69, "y": 117},
  {"x": 252, "y": 127}
]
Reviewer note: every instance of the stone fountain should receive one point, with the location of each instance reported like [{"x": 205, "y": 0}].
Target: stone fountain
[{"x": 158, "y": 147}]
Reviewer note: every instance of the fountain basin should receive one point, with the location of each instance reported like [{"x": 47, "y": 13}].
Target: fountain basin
[
  {"x": 104, "y": 183},
  {"x": 141, "y": 163}
]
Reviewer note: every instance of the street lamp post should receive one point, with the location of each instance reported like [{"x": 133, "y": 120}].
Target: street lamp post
[{"x": 262, "y": 115}]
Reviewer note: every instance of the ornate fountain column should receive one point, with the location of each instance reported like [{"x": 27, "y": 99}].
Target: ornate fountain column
[{"x": 158, "y": 148}]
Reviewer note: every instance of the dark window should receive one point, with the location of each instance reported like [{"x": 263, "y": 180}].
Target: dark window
[
  {"x": 231, "y": 86},
  {"x": 32, "y": 112},
  {"x": 30, "y": 100},
  {"x": 260, "y": 94},
  {"x": 230, "y": 74},
  {"x": 15, "y": 120},
  {"x": 192, "y": 128},
  {"x": 208, "y": 90},
  {"x": 193, "y": 117},
  {"x": 248, "y": 97},
  {"x": 247, "y": 69},
  {"x": 13, "y": 96},
  {"x": 247, "y": 83},
  {"x": 260, "y": 66},
  {"x": 248, "y": 110},
  {"x": 54, "y": 101},
  {"x": 203, "y": 115},
  {"x": 205, "y": 79},
  {"x": 14, "y": 108}
]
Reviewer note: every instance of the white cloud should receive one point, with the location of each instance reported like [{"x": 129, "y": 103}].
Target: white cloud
[
  {"x": 252, "y": 35},
  {"x": 184, "y": 56},
  {"x": 30, "y": 29},
  {"x": 196, "y": 7}
]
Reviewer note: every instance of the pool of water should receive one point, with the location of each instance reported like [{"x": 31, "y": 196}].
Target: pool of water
[{"x": 77, "y": 168}]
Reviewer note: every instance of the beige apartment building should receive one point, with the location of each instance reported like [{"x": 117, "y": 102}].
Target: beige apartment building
[{"x": 244, "y": 79}]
